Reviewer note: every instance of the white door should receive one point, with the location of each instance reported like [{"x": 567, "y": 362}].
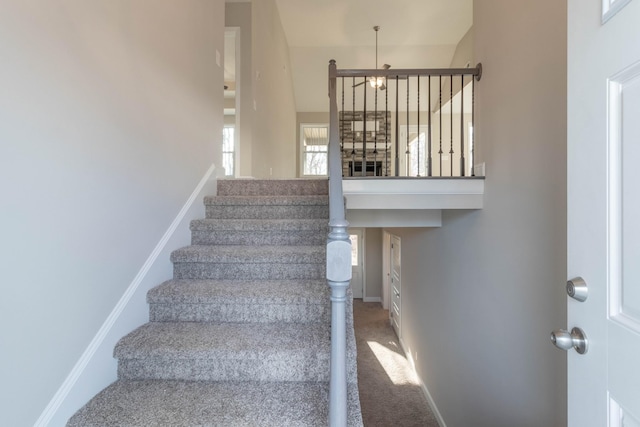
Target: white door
[
  {"x": 357, "y": 262},
  {"x": 396, "y": 286},
  {"x": 604, "y": 210}
]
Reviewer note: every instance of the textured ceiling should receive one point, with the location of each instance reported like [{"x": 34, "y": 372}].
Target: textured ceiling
[{"x": 413, "y": 34}]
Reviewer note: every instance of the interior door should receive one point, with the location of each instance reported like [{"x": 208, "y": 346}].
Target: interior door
[
  {"x": 396, "y": 286},
  {"x": 604, "y": 210}
]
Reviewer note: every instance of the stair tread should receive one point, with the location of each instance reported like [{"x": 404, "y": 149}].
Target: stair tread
[
  {"x": 320, "y": 224},
  {"x": 250, "y": 254},
  {"x": 137, "y": 403},
  {"x": 197, "y": 340},
  {"x": 203, "y": 291},
  {"x": 262, "y": 187},
  {"x": 267, "y": 200}
]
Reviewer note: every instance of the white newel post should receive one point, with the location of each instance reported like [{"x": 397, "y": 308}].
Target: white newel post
[{"x": 338, "y": 267}]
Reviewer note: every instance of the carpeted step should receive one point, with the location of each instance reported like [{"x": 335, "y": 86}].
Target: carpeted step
[
  {"x": 225, "y": 352},
  {"x": 272, "y": 207},
  {"x": 273, "y": 187},
  {"x": 199, "y": 403},
  {"x": 259, "y": 232},
  {"x": 241, "y": 335},
  {"x": 249, "y": 262},
  {"x": 302, "y": 301}
]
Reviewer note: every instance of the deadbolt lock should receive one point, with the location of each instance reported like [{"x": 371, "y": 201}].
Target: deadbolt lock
[{"x": 577, "y": 289}]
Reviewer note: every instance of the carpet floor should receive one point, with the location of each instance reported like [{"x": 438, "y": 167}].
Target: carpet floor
[{"x": 390, "y": 394}]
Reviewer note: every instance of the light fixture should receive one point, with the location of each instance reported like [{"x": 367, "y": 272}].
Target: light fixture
[{"x": 377, "y": 82}]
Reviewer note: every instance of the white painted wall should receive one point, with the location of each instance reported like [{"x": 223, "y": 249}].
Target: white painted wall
[
  {"x": 238, "y": 14},
  {"x": 110, "y": 115},
  {"x": 482, "y": 293},
  {"x": 274, "y": 119}
]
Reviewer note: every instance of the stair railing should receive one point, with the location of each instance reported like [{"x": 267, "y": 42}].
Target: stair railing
[{"x": 338, "y": 266}]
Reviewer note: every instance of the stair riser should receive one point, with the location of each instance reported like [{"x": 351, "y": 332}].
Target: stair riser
[
  {"x": 256, "y": 187},
  {"x": 308, "y": 368},
  {"x": 273, "y": 271},
  {"x": 294, "y": 238},
  {"x": 240, "y": 313},
  {"x": 267, "y": 212}
]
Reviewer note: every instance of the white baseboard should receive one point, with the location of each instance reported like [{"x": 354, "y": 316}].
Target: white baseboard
[
  {"x": 96, "y": 368},
  {"x": 372, "y": 299},
  {"x": 432, "y": 403}
]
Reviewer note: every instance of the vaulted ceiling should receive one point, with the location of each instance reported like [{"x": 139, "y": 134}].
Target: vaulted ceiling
[{"x": 413, "y": 34}]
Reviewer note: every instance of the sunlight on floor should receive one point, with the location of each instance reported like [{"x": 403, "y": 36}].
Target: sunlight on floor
[{"x": 395, "y": 365}]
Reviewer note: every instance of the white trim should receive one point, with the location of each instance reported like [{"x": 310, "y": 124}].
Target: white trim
[
  {"x": 68, "y": 384},
  {"x": 372, "y": 299},
  {"x": 414, "y": 193},
  {"x": 432, "y": 403},
  {"x": 362, "y": 255}
]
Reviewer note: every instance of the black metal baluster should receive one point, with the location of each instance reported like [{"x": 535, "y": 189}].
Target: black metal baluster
[
  {"x": 352, "y": 169},
  {"x": 364, "y": 129},
  {"x": 430, "y": 159},
  {"x": 342, "y": 154},
  {"x": 375, "y": 134},
  {"x": 451, "y": 124},
  {"x": 473, "y": 126},
  {"x": 386, "y": 127},
  {"x": 462, "y": 165},
  {"x": 407, "y": 152},
  {"x": 418, "y": 154},
  {"x": 397, "y": 142},
  {"x": 440, "y": 96}
]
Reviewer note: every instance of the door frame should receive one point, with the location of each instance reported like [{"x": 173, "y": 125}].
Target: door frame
[
  {"x": 398, "y": 328},
  {"x": 360, "y": 232},
  {"x": 386, "y": 269}
]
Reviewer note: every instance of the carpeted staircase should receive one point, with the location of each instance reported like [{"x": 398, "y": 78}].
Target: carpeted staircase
[{"x": 241, "y": 335}]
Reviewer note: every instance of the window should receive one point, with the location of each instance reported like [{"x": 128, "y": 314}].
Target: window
[
  {"x": 417, "y": 155},
  {"x": 315, "y": 141},
  {"x": 228, "y": 150}
]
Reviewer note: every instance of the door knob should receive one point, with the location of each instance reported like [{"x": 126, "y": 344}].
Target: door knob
[{"x": 565, "y": 340}]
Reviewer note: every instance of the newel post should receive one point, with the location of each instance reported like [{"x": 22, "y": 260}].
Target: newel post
[{"x": 338, "y": 267}]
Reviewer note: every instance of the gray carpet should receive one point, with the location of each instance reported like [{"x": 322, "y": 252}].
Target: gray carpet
[
  {"x": 390, "y": 394},
  {"x": 241, "y": 335}
]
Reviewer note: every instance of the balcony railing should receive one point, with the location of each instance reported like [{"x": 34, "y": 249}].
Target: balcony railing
[{"x": 406, "y": 122}]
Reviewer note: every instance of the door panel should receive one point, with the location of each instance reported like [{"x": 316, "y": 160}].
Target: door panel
[{"x": 603, "y": 204}]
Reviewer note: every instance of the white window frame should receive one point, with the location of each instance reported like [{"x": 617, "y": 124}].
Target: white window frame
[
  {"x": 302, "y": 146},
  {"x": 233, "y": 153}
]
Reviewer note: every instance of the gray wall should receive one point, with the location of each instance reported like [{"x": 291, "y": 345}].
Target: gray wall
[
  {"x": 110, "y": 116},
  {"x": 482, "y": 293}
]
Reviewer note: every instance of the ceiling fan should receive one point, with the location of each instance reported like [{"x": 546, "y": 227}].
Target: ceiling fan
[{"x": 376, "y": 82}]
